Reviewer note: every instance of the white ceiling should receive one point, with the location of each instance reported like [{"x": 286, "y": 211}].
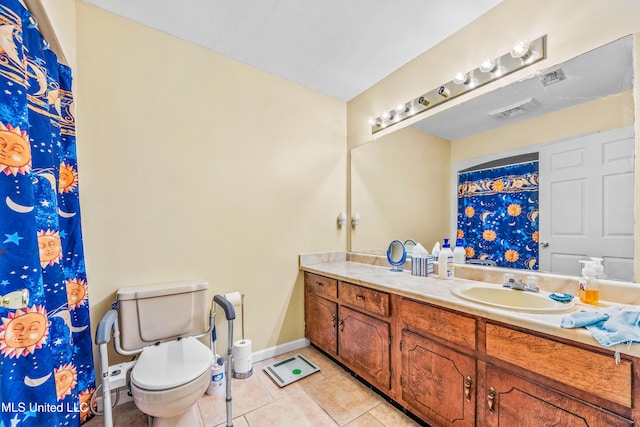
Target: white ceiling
[{"x": 336, "y": 47}]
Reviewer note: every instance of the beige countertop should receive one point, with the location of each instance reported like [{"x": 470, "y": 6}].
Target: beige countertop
[{"x": 438, "y": 292}]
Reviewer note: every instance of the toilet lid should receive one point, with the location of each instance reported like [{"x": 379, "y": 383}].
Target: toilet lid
[{"x": 171, "y": 364}]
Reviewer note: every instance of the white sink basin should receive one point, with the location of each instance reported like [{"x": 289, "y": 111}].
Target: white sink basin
[{"x": 509, "y": 299}]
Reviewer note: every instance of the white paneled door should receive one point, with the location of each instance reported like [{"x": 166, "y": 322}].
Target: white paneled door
[{"x": 587, "y": 203}]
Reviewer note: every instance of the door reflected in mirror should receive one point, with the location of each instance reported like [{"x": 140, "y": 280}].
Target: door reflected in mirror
[{"x": 404, "y": 184}]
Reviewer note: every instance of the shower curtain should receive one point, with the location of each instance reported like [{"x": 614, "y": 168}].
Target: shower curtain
[
  {"x": 498, "y": 214},
  {"x": 46, "y": 358}
]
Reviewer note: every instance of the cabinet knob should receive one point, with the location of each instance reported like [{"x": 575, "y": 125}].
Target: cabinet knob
[
  {"x": 467, "y": 388},
  {"x": 341, "y": 324},
  {"x": 491, "y": 398},
  {"x": 333, "y": 320},
  {"x": 361, "y": 297}
]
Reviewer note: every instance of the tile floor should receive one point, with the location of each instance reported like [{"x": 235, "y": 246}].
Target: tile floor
[{"x": 328, "y": 398}]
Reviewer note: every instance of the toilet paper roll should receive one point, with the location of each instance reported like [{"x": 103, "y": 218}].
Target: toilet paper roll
[
  {"x": 242, "y": 356},
  {"x": 235, "y": 298}
]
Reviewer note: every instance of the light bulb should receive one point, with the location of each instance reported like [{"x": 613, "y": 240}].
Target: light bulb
[
  {"x": 444, "y": 92},
  {"x": 460, "y": 78},
  {"x": 400, "y": 108},
  {"x": 521, "y": 49},
  {"x": 423, "y": 101},
  {"x": 487, "y": 65},
  {"x": 385, "y": 115}
]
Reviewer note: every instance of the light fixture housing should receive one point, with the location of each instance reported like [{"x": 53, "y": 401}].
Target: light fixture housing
[
  {"x": 355, "y": 219},
  {"x": 523, "y": 55}
]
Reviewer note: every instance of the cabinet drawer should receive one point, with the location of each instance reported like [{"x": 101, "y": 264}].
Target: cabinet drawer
[
  {"x": 583, "y": 369},
  {"x": 367, "y": 299},
  {"x": 432, "y": 321},
  {"x": 320, "y": 285}
]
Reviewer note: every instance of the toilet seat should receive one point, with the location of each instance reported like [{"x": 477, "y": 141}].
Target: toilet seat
[{"x": 171, "y": 364}]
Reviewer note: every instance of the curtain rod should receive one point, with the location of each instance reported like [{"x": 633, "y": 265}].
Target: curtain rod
[{"x": 495, "y": 167}]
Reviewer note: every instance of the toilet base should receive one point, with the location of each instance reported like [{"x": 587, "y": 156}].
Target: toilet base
[{"x": 192, "y": 418}]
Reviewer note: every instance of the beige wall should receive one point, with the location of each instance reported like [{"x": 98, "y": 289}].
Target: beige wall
[
  {"x": 193, "y": 165},
  {"x": 391, "y": 180}
]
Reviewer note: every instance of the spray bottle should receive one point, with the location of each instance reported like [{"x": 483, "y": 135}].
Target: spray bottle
[{"x": 445, "y": 261}]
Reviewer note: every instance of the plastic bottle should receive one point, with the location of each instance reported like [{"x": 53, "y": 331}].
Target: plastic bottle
[
  {"x": 589, "y": 287},
  {"x": 445, "y": 261},
  {"x": 459, "y": 254},
  {"x": 436, "y": 249}
]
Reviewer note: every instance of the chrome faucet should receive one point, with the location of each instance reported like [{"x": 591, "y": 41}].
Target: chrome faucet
[
  {"x": 514, "y": 283},
  {"x": 531, "y": 284}
]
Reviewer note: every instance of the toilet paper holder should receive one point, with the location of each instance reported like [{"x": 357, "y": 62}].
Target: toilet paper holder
[{"x": 242, "y": 363}]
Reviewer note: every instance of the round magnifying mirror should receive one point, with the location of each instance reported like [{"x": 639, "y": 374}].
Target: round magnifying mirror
[
  {"x": 396, "y": 255},
  {"x": 409, "y": 244}
]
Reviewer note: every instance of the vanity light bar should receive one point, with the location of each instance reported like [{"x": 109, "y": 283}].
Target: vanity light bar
[{"x": 523, "y": 54}]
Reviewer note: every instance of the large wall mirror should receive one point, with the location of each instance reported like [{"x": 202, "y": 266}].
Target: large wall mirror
[{"x": 569, "y": 117}]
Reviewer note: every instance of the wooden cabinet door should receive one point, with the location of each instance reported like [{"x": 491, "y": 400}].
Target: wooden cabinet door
[
  {"x": 438, "y": 383},
  {"x": 509, "y": 400},
  {"x": 320, "y": 322},
  {"x": 363, "y": 344}
]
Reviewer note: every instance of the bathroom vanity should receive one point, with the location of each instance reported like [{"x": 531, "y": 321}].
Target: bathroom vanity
[{"x": 455, "y": 362}]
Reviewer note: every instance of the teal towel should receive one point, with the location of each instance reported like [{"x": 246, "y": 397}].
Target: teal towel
[{"x": 582, "y": 318}]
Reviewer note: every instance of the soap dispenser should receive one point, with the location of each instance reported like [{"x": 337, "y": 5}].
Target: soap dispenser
[
  {"x": 589, "y": 291},
  {"x": 598, "y": 267},
  {"x": 445, "y": 261},
  {"x": 459, "y": 254}
]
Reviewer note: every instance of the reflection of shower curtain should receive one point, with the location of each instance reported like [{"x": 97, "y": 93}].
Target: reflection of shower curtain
[
  {"x": 498, "y": 214},
  {"x": 46, "y": 359}
]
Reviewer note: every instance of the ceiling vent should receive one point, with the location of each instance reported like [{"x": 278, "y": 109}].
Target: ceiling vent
[
  {"x": 552, "y": 76},
  {"x": 516, "y": 109}
]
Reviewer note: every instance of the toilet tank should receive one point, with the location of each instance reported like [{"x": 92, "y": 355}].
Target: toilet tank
[{"x": 163, "y": 312}]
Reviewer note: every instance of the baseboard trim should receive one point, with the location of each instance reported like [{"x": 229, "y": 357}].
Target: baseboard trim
[{"x": 267, "y": 353}]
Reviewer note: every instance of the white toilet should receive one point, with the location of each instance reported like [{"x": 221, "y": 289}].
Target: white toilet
[{"x": 174, "y": 368}]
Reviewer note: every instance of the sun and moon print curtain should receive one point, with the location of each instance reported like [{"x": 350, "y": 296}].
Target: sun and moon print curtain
[
  {"x": 46, "y": 359},
  {"x": 498, "y": 214}
]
